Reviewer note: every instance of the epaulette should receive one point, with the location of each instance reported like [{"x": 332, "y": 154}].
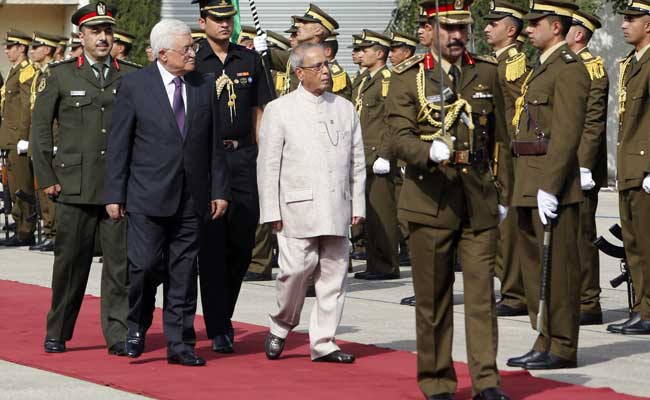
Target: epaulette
[
  {"x": 335, "y": 69},
  {"x": 339, "y": 79},
  {"x": 595, "y": 67},
  {"x": 408, "y": 63},
  {"x": 61, "y": 62},
  {"x": 386, "y": 73},
  {"x": 567, "y": 57},
  {"x": 487, "y": 59},
  {"x": 586, "y": 55},
  {"x": 385, "y": 83},
  {"x": 515, "y": 65},
  {"x": 129, "y": 63},
  {"x": 27, "y": 71}
]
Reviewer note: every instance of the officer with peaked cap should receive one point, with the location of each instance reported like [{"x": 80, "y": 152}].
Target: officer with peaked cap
[
  {"x": 449, "y": 197},
  {"x": 402, "y": 47},
  {"x": 74, "y": 44},
  {"x": 80, "y": 94},
  {"x": 123, "y": 44},
  {"x": 504, "y": 25},
  {"x": 547, "y": 189},
  {"x": 246, "y": 36},
  {"x": 341, "y": 82}
]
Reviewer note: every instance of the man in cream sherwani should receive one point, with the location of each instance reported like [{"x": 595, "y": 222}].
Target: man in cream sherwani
[{"x": 311, "y": 179}]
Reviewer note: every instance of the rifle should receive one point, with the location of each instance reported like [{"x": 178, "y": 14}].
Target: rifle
[
  {"x": 615, "y": 251},
  {"x": 37, "y": 216},
  {"x": 6, "y": 194}
]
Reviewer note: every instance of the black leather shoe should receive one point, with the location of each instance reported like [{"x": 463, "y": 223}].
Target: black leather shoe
[
  {"x": 222, "y": 343},
  {"x": 54, "y": 346},
  {"x": 11, "y": 227},
  {"x": 591, "y": 319},
  {"x": 273, "y": 346},
  {"x": 231, "y": 334},
  {"x": 118, "y": 349},
  {"x": 187, "y": 359},
  {"x": 311, "y": 291},
  {"x": 377, "y": 276},
  {"x": 255, "y": 277},
  {"x": 441, "y": 396},
  {"x": 361, "y": 275},
  {"x": 337, "y": 357},
  {"x": 15, "y": 241},
  {"x": 549, "y": 361},
  {"x": 618, "y": 328},
  {"x": 47, "y": 245},
  {"x": 134, "y": 344},
  {"x": 522, "y": 360},
  {"x": 36, "y": 246},
  {"x": 408, "y": 301},
  {"x": 504, "y": 310},
  {"x": 491, "y": 394},
  {"x": 642, "y": 327}
]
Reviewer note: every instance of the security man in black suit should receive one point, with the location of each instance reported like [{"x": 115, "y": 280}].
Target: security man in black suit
[{"x": 241, "y": 92}]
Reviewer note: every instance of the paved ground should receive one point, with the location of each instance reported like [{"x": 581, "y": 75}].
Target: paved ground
[{"x": 373, "y": 315}]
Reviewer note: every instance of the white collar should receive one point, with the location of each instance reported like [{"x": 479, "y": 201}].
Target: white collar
[
  {"x": 307, "y": 95},
  {"x": 167, "y": 76}
]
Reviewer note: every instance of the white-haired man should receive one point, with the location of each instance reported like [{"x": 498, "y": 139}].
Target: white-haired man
[
  {"x": 168, "y": 174},
  {"x": 311, "y": 178}
]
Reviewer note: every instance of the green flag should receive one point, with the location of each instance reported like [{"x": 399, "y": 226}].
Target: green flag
[{"x": 237, "y": 28}]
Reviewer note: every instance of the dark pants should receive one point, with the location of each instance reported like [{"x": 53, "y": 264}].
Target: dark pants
[
  {"x": 588, "y": 254},
  {"x": 78, "y": 226},
  {"x": 381, "y": 226},
  {"x": 227, "y": 244},
  {"x": 169, "y": 245}
]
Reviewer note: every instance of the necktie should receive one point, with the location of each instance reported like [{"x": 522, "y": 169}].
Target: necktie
[
  {"x": 455, "y": 76},
  {"x": 178, "y": 106},
  {"x": 99, "y": 68}
]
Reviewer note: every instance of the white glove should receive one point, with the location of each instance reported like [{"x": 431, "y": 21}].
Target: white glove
[
  {"x": 586, "y": 180},
  {"x": 54, "y": 149},
  {"x": 646, "y": 184},
  {"x": 546, "y": 205},
  {"x": 381, "y": 166},
  {"x": 260, "y": 43},
  {"x": 22, "y": 146},
  {"x": 439, "y": 151},
  {"x": 503, "y": 212}
]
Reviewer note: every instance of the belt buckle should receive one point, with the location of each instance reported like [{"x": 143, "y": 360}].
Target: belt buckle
[
  {"x": 230, "y": 145},
  {"x": 461, "y": 157}
]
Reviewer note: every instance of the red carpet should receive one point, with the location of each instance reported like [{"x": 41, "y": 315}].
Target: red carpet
[{"x": 379, "y": 374}]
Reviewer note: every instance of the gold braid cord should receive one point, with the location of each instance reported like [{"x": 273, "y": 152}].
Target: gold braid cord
[
  {"x": 225, "y": 82},
  {"x": 622, "y": 90},
  {"x": 519, "y": 103},
  {"x": 452, "y": 111},
  {"x": 287, "y": 80},
  {"x": 358, "y": 101}
]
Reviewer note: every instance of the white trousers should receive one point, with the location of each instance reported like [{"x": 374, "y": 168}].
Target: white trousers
[{"x": 326, "y": 258}]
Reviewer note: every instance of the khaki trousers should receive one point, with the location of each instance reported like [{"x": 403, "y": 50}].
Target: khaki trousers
[
  {"x": 507, "y": 268},
  {"x": 262, "y": 258},
  {"x": 381, "y": 227},
  {"x": 588, "y": 254},
  {"x": 433, "y": 278},
  {"x": 326, "y": 258},
  {"x": 49, "y": 215},
  {"x": 21, "y": 177}
]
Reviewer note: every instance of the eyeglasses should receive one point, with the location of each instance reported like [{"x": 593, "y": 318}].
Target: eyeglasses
[
  {"x": 187, "y": 50},
  {"x": 318, "y": 67}
]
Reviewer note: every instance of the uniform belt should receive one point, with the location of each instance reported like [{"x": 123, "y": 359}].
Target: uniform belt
[
  {"x": 537, "y": 147},
  {"x": 467, "y": 157},
  {"x": 236, "y": 144}
]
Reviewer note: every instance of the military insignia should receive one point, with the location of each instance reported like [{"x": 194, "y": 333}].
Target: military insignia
[
  {"x": 250, "y": 79},
  {"x": 483, "y": 120},
  {"x": 482, "y": 95},
  {"x": 458, "y": 4},
  {"x": 41, "y": 85},
  {"x": 480, "y": 87},
  {"x": 236, "y": 82},
  {"x": 433, "y": 99},
  {"x": 566, "y": 57},
  {"x": 630, "y": 3},
  {"x": 531, "y": 4},
  {"x": 77, "y": 93},
  {"x": 224, "y": 3},
  {"x": 245, "y": 73},
  {"x": 101, "y": 9},
  {"x": 224, "y": 82},
  {"x": 493, "y": 5}
]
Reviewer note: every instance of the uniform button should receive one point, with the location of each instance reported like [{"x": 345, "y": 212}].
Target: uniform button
[
  {"x": 103, "y": 130},
  {"x": 642, "y": 152},
  {"x": 102, "y": 152},
  {"x": 534, "y": 101},
  {"x": 9, "y": 91},
  {"x": 373, "y": 148},
  {"x": 618, "y": 143},
  {"x": 102, "y": 108},
  {"x": 76, "y": 104},
  {"x": 102, "y": 89},
  {"x": 62, "y": 165},
  {"x": 466, "y": 144},
  {"x": 464, "y": 170},
  {"x": 420, "y": 177}
]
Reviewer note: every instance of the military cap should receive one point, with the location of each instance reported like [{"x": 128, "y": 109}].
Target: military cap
[
  {"x": 501, "y": 9},
  {"x": 293, "y": 28},
  {"x": 316, "y": 15},
  {"x": 277, "y": 40},
  {"x": 523, "y": 36},
  {"x": 247, "y": 32},
  {"x": 546, "y": 8},
  {"x": 63, "y": 41},
  {"x": 398, "y": 39},
  {"x": 332, "y": 37},
  {"x": 586, "y": 20},
  {"x": 14, "y": 37},
  {"x": 94, "y": 14},
  {"x": 44, "y": 39},
  {"x": 74, "y": 41},
  {"x": 372, "y": 38},
  {"x": 449, "y": 11},
  {"x": 356, "y": 41},
  {"x": 198, "y": 34},
  {"x": 217, "y": 8},
  {"x": 636, "y": 7},
  {"x": 123, "y": 36},
  {"x": 422, "y": 15}
]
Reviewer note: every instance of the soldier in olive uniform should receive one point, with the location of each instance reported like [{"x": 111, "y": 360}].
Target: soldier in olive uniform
[
  {"x": 42, "y": 51},
  {"x": 504, "y": 26},
  {"x": 382, "y": 235},
  {"x": 123, "y": 44},
  {"x": 549, "y": 120},
  {"x": 80, "y": 94},
  {"x": 74, "y": 46},
  {"x": 450, "y": 198},
  {"x": 633, "y": 162},
  {"x": 246, "y": 36},
  {"x": 356, "y": 59},
  {"x": 14, "y": 134},
  {"x": 592, "y": 155}
]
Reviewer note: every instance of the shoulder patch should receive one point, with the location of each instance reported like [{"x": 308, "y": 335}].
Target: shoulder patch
[
  {"x": 26, "y": 73},
  {"x": 129, "y": 63},
  {"x": 512, "y": 51},
  {"x": 386, "y": 73},
  {"x": 61, "y": 62},
  {"x": 595, "y": 68},
  {"x": 567, "y": 57},
  {"x": 408, "y": 63},
  {"x": 487, "y": 59}
]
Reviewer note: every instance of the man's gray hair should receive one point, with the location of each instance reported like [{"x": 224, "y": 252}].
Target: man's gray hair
[
  {"x": 165, "y": 33},
  {"x": 298, "y": 54}
]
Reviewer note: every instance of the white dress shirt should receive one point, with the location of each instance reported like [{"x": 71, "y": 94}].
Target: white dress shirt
[{"x": 170, "y": 87}]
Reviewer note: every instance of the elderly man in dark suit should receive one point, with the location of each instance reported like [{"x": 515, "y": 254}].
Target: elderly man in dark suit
[{"x": 167, "y": 172}]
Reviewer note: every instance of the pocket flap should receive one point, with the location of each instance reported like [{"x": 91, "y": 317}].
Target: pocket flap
[
  {"x": 639, "y": 149},
  {"x": 538, "y": 99},
  {"x": 63, "y": 160},
  {"x": 80, "y": 101},
  {"x": 298, "y": 195}
]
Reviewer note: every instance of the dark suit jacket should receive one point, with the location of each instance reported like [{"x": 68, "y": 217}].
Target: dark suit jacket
[{"x": 147, "y": 156}]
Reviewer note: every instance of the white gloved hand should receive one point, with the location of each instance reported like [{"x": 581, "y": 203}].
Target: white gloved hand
[
  {"x": 22, "y": 146},
  {"x": 646, "y": 184},
  {"x": 546, "y": 205},
  {"x": 260, "y": 43},
  {"x": 503, "y": 212},
  {"x": 381, "y": 166},
  {"x": 439, "y": 151},
  {"x": 586, "y": 180}
]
